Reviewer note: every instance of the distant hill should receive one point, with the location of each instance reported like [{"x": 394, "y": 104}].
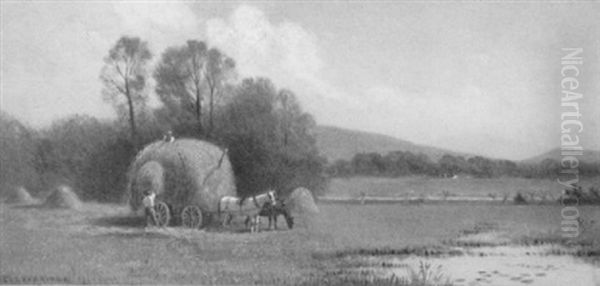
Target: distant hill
[
  {"x": 336, "y": 143},
  {"x": 588, "y": 156}
]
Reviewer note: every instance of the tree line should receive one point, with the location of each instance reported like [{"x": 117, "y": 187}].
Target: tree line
[
  {"x": 405, "y": 163},
  {"x": 264, "y": 127}
]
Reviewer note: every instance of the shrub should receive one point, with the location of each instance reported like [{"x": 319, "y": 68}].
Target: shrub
[
  {"x": 519, "y": 199},
  {"x": 589, "y": 196}
]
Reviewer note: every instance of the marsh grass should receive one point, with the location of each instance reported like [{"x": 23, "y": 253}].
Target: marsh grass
[
  {"x": 431, "y": 277},
  {"x": 433, "y": 250},
  {"x": 428, "y": 274}
]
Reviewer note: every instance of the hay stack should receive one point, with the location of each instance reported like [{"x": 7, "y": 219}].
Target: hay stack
[
  {"x": 303, "y": 208},
  {"x": 19, "y": 195},
  {"x": 181, "y": 173},
  {"x": 63, "y": 197},
  {"x": 302, "y": 202}
]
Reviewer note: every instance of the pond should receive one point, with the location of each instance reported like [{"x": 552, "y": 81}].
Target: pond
[{"x": 507, "y": 266}]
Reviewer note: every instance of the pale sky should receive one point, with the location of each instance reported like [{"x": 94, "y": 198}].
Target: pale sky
[{"x": 474, "y": 77}]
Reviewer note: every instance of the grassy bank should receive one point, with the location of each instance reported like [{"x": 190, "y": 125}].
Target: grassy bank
[
  {"x": 101, "y": 245},
  {"x": 462, "y": 186}
]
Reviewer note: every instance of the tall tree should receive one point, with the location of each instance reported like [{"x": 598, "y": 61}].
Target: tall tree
[
  {"x": 254, "y": 125},
  {"x": 284, "y": 107},
  {"x": 219, "y": 69},
  {"x": 293, "y": 122},
  {"x": 124, "y": 77},
  {"x": 180, "y": 77}
]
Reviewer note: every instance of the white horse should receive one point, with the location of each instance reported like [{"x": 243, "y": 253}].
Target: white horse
[{"x": 250, "y": 206}]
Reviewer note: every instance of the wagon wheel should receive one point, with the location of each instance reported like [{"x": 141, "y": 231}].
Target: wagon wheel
[
  {"x": 191, "y": 217},
  {"x": 163, "y": 216}
]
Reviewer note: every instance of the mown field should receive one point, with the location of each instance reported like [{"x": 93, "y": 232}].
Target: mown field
[
  {"x": 101, "y": 244},
  {"x": 462, "y": 186}
]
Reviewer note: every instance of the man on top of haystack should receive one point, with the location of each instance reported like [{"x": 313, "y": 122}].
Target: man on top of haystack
[{"x": 169, "y": 137}]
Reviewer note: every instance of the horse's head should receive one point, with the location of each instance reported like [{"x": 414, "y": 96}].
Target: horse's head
[{"x": 289, "y": 219}]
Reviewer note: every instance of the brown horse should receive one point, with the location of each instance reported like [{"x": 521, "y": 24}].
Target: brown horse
[
  {"x": 274, "y": 210},
  {"x": 250, "y": 207}
]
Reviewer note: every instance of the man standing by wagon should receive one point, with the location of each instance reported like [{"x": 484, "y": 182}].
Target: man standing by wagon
[{"x": 148, "y": 203}]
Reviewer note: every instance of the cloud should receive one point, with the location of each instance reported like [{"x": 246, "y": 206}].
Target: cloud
[
  {"x": 262, "y": 48},
  {"x": 285, "y": 52},
  {"x": 162, "y": 16},
  {"x": 162, "y": 24}
]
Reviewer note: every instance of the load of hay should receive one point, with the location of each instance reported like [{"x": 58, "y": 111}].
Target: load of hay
[
  {"x": 301, "y": 201},
  {"x": 302, "y": 207},
  {"x": 183, "y": 172},
  {"x": 62, "y": 197},
  {"x": 20, "y": 195}
]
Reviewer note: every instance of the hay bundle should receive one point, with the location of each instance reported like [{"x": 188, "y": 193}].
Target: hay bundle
[
  {"x": 181, "y": 173},
  {"x": 63, "y": 197},
  {"x": 301, "y": 201},
  {"x": 19, "y": 195},
  {"x": 303, "y": 208}
]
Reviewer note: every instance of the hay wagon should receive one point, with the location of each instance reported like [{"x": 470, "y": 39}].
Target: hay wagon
[
  {"x": 189, "y": 177},
  {"x": 190, "y": 215}
]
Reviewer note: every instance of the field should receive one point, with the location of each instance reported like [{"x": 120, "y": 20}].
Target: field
[
  {"x": 102, "y": 244},
  {"x": 462, "y": 186}
]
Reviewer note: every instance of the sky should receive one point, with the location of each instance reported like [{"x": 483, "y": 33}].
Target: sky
[{"x": 475, "y": 77}]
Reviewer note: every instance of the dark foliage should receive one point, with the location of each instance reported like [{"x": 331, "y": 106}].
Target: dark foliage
[
  {"x": 269, "y": 140},
  {"x": 399, "y": 163},
  {"x": 103, "y": 177},
  {"x": 17, "y": 155},
  {"x": 519, "y": 199},
  {"x": 579, "y": 195},
  {"x": 82, "y": 152}
]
